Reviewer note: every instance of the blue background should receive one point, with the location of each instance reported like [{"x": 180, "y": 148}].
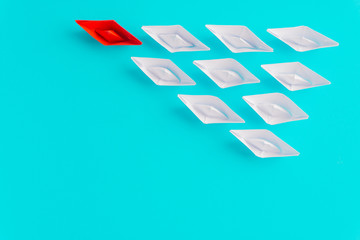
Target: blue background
[{"x": 90, "y": 148}]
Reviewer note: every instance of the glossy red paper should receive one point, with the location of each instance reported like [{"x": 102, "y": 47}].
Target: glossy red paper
[{"x": 108, "y": 32}]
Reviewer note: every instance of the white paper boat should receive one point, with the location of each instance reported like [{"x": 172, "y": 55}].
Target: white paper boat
[
  {"x": 302, "y": 38},
  {"x": 264, "y": 143},
  {"x": 226, "y": 72},
  {"x": 295, "y": 76},
  {"x": 163, "y": 71},
  {"x": 275, "y": 108},
  {"x": 239, "y": 38},
  {"x": 175, "y": 38},
  {"x": 210, "y": 109}
]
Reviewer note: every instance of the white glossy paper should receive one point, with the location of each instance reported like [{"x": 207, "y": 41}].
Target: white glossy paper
[
  {"x": 295, "y": 76},
  {"x": 302, "y": 38},
  {"x": 275, "y": 108},
  {"x": 210, "y": 109},
  {"x": 175, "y": 38},
  {"x": 226, "y": 72},
  {"x": 239, "y": 38},
  {"x": 264, "y": 143},
  {"x": 163, "y": 71}
]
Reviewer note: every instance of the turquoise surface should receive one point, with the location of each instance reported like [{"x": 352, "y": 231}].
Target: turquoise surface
[{"x": 91, "y": 148}]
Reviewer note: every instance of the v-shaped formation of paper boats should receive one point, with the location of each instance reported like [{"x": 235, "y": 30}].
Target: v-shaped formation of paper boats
[{"x": 273, "y": 108}]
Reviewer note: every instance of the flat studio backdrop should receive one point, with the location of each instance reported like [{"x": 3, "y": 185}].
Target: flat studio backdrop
[{"x": 91, "y": 148}]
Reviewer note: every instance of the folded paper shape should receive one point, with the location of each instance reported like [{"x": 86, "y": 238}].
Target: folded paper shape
[
  {"x": 264, "y": 143},
  {"x": 295, "y": 76},
  {"x": 210, "y": 109},
  {"x": 275, "y": 108},
  {"x": 175, "y": 38},
  {"x": 239, "y": 38},
  {"x": 226, "y": 72},
  {"x": 108, "y": 32},
  {"x": 163, "y": 71},
  {"x": 302, "y": 38}
]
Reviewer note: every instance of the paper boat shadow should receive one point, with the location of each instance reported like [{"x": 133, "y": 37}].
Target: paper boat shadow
[{"x": 83, "y": 37}]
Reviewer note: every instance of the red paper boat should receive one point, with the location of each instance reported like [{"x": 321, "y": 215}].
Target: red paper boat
[{"x": 108, "y": 32}]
